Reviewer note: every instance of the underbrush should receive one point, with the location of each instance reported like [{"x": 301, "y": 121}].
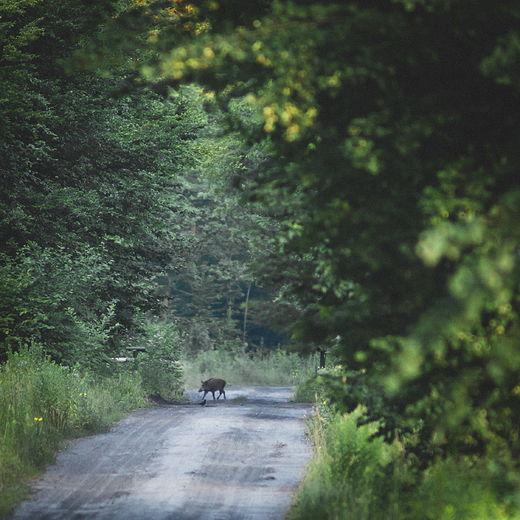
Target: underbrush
[
  {"x": 277, "y": 369},
  {"x": 159, "y": 367},
  {"x": 310, "y": 389},
  {"x": 355, "y": 475},
  {"x": 43, "y": 403}
]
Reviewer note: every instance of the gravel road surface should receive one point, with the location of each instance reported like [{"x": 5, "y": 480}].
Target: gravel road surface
[{"x": 228, "y": 460}]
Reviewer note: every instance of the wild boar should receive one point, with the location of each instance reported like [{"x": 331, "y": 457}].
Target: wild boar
[{"x": 212, "y": 385}]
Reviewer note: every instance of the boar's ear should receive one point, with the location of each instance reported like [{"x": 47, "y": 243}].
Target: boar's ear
[{"x": 201, "y": 381}]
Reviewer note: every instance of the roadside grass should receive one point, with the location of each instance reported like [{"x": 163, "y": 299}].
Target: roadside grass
[
  {"x": 357, "y": 476},
  {"x": 42, "y": 403},
  {"x": 239, "y": 369}
]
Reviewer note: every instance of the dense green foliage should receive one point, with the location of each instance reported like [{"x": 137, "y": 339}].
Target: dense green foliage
[
  {"x": 86, "y": 192},
  {"x": 393, "y": 129},
  {"x": 159, "y": 366},
  {"x": 214, "y": 299}
]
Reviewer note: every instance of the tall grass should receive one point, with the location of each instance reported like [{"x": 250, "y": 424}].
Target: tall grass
[
  {"x": 239, "y": 369},
  {"x": 345, "y": 478},
  {"x": 356, "y": 476},
  {"x": 42, "y": 403}
]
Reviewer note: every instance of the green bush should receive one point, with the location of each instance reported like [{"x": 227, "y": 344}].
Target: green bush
[
  {"x": 313, "y": 387},
  {"x": 461, "y": 489},
  {"x": 43, "y": 295},
  {"x": 159, "y": 367}
]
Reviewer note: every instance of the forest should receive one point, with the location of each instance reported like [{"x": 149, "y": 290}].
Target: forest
[{"x": 250, "y": 183}]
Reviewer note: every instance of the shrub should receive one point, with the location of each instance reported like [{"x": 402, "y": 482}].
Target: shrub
[
  {"x": 159, "y": 366},
  {"x": 461, "y": 489}
]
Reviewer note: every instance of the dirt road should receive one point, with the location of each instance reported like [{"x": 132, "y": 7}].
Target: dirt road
[{"x": 234, "y": 460}]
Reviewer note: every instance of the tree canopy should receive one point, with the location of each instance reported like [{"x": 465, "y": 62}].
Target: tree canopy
[
  {"x": 86, "y": 192},
  {"x": 393, "y": 133}
]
